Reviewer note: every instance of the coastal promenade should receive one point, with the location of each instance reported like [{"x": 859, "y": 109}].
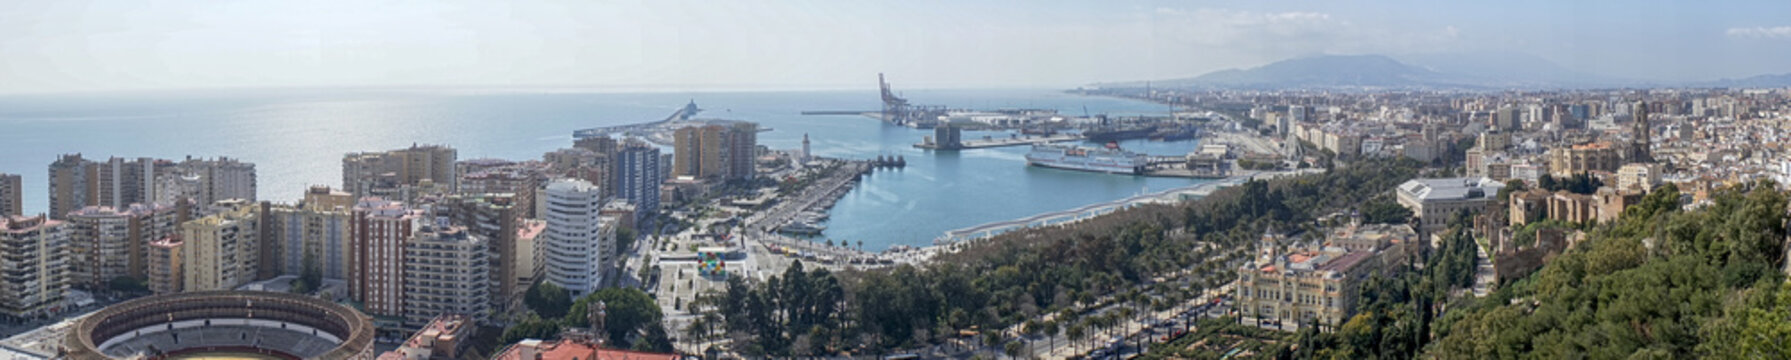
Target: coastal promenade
[{"x": 1089, "y": 211}]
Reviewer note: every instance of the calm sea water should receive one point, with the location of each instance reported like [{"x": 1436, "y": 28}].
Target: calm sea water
[{"x": 297, "y": 137}]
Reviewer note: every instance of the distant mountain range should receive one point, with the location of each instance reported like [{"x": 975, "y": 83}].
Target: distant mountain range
[
  {"x": 1469, "y": 71},
  {"x": 1758, "y": 81}
]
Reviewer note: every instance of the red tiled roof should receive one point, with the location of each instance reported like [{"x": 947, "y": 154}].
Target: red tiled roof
[
  {"x": 570, "y": 350},
  {"x": 1298, "y": 258},
  {"x": 609, "y": 354}
]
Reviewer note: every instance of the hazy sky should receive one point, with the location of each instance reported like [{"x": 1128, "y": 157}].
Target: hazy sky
[{"x": 55, "y": 46}]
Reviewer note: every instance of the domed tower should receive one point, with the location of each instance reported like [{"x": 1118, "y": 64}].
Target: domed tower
[{"x": 1266, "y": 247}]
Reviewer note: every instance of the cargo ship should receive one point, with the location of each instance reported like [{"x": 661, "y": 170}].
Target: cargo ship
[
  {"x": 1106, "y": 160},
  {"x": 1106, "y": 134}
]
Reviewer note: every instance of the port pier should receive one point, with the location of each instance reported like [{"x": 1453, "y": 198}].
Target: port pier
[{"x": 992, "y": 142}]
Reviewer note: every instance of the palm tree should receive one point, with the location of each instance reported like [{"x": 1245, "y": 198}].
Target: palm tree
[
  {"x": 695, "y": 334},
  {"x": 1077, "y": 331},
  {"x": 992, "y": 338},
  {"x": 1107, "y": 321},
  {"x": 1125, "y": 314},
  {"x": 1031, "y": 329}
]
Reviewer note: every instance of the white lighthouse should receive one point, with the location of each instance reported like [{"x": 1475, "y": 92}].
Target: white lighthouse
[{"x": 805, "y": 154}]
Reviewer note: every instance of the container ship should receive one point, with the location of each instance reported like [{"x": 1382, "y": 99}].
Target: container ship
[
  {"x": 1107, "y": 160},
  {"x": 1118, "y": 133}
]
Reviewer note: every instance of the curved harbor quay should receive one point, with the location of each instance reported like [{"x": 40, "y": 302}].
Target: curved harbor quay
[{"x": 1063, "y": 217}]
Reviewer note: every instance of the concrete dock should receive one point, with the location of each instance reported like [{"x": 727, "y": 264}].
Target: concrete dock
[
  {"x": 1000, "y": 142},
  {"x": 1184, "y": 172}
]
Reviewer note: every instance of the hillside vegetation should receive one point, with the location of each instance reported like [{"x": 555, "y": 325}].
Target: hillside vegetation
[{"x": 1659, "y": 283}]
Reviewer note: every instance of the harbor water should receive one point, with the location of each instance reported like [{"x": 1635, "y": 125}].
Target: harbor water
[{"x": 297, "y": 137}]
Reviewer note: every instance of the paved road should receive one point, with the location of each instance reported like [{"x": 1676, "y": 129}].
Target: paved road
[
  {"x": 1485, "y": 275},
  {"x": 1247, "y": 142}
]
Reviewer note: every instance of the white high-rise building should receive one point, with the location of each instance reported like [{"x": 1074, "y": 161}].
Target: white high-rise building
[{"x": 578, "y": 243}]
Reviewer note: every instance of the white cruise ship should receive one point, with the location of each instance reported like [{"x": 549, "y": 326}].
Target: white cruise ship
[{"x": 1109, "y": 160}]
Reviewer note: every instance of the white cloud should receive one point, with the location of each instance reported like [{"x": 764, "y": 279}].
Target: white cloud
[{"x": 1761, "y": 32}]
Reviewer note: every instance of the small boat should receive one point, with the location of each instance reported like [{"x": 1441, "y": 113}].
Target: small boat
[{"x": 802, "y": 228}]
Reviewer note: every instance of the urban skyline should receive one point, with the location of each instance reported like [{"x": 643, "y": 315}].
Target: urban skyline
[{"x": 441, "y": 180}]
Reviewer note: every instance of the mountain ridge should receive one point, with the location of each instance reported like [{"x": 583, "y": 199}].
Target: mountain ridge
[{"x": 1469, "y": 71}]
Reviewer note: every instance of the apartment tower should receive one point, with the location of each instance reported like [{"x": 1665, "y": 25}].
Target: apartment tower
[
  {"x": 33, "y": 252},
  {"x": 715, "y": 151},
  {"x": 497, "y": 218},
  {"x": 381, "y": 229},
  {"x": 223, "y": 250},
  {"x": 637, "y": 176},
  {"x": 575, "y": 246},
  {"x": 107, "y": 243},
  {"x": 317, "y": 233},
  {"x": 387, "y": 173},
  {"x": 12, "y": 194},
  {"x": 439, "y": 263}
]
